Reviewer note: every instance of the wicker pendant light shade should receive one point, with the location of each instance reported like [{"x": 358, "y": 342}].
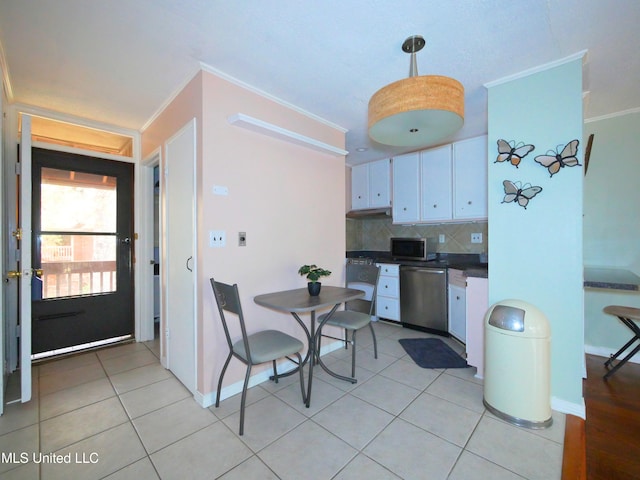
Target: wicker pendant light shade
[{"x": 418, "y": 110}]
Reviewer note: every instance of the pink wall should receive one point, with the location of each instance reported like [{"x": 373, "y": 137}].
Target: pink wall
[{"x": 288, "y": 198}]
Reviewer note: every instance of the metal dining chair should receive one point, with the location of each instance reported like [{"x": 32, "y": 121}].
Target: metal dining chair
[
  {"x": 357, "y": 313},
  {"x": 254, "y": 349}
]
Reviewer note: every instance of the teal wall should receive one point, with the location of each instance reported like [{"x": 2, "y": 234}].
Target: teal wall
[
  {"x": 536, "y": 253},
  {"x": 611, "y": 226}
]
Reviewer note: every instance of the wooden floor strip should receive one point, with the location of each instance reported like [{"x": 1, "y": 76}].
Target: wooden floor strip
[
  {"x": 612, "y": 426},
  {"x": 574, "y": 460}
]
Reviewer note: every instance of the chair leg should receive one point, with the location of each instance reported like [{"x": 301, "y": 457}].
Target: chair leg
[
  {"x": 346, "y": 339},
  {"x": 244, "y": 398},
  {"x": 224, "y": 369},
  {"x": 622, "y": 362},
  {"x": 375, "y": 343},
  {"x": 304, "y": 396},
  {"x": 353, "y": 354},
  {"x": 275, "y": 372}
]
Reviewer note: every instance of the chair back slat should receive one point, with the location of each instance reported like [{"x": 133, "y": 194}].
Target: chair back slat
[
  {"x": 359, "y": 276},
  {"x": 228, "y": 300}
]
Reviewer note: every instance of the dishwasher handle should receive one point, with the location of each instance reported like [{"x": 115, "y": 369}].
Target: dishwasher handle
[{"x": 427, "y": 270}]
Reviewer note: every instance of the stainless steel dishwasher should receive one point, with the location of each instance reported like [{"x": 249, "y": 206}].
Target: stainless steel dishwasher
[{"x": 423, "y": 298}]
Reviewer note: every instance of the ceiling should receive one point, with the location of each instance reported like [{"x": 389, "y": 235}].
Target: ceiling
[{"x": 120, "y": 61}]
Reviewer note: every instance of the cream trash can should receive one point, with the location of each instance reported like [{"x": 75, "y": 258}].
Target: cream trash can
[{"x": 517, "y": 364}]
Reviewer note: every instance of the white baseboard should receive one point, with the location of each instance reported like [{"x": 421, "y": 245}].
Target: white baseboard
[
  {"x": 606, "y": 352},
  {"x": 577, "y": 409},
  {"x": 208, "y": 399}
]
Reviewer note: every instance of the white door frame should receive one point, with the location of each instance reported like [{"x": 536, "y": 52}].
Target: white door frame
[
  {"x": 141, "y": 284},
  {"x": 146, "y": 215}
]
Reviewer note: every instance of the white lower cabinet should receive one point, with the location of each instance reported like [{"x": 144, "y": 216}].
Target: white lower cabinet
[
  {"x": 388, "y": 293},
  {"x": 458, "y": 305},
  {"x": 477, "y": 306}
]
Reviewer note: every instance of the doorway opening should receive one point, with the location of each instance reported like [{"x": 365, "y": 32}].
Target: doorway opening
[{"x": 82, "y": 223}]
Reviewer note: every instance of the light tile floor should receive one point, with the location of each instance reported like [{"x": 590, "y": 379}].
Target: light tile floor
[{"x": 118, "y": 414}]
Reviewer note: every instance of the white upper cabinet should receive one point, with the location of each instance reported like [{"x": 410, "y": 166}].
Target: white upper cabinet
[
  {"x": 371, "y": 185},
  {"x": 442, "y": 184},
  {"x": 436, "y": 184},
  {"x": 380, "y": 184},
  {"x": 406, "y": 188},
  {"x": 360, "y": 187},
  {"x": 470, "y": 178}
]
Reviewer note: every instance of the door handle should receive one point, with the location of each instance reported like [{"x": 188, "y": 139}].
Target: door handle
[
  {"x": 188, "y": 260},
  {"x": 14, "y": 274}
]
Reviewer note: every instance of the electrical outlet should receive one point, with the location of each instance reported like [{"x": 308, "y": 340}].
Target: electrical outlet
[
  {"x": 476, "y": 238},
  {"x": 242, "y": 239},
  {"x": 217, "y": 238},
  {"x": 441, "y": 238}
]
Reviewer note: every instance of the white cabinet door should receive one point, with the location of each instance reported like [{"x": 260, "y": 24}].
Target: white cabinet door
[
  {"x": 436, "y": 184},
  {"x": 359, "y": 187},
  {"x": 458, "y": 312},
  {"x": 477, "y": 306},
  {"x": 406, "y": 188},
  {"x": 379, "y": 184},
  {"x": 470, "y": 178}
]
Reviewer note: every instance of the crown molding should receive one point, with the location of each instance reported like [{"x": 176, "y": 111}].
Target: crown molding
[
  {"x": 540, "y": 68},
  {"x": 262, "y": 93}
]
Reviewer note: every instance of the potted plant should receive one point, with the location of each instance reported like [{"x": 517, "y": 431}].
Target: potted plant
[{"x": 313, "y": 274}]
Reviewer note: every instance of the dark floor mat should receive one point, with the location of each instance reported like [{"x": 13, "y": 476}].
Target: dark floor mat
[{"x": 432, "y": 353}]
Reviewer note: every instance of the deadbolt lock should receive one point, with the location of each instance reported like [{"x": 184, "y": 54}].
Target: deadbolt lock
[{"x": 17, "y": 233}]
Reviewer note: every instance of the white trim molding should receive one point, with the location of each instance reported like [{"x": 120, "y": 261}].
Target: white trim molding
[{"x": 271, "y": 130}]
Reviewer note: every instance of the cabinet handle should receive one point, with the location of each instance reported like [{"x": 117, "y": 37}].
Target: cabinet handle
[
  {"x": 359, "y": 196},
  {"x": 405, "y": 209},
  {"x": 457, "y": 297},
  {"x": 435, "y": 205},
  {"x": 378, "y": 194},
  {"x": 469, "y": 202}
]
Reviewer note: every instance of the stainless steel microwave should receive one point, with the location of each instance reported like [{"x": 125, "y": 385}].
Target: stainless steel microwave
[{"x": 413, "y": 248}]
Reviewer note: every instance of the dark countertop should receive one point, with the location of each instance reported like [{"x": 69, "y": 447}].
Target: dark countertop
[
  {"x": 470, "y": 264},
  {"x": 611, "y": 278}
]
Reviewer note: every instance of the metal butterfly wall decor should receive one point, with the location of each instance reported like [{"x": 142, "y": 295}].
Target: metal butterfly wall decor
[
  {"x": 512, "y": 152},
  {"x": 518, "y": 193},
  {"x": 554, "y": 161}
]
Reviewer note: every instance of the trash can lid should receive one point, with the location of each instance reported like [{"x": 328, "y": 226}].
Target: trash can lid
[{"x": 516, "y": 317}]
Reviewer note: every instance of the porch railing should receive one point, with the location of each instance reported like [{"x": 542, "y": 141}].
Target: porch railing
[{"x": 65, "y": 279}]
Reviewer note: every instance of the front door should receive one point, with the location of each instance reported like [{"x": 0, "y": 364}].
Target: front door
[{"x": 82, "y": 245}]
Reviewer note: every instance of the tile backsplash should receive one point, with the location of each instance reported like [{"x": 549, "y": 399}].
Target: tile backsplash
[{"x": 374, "y": 234}]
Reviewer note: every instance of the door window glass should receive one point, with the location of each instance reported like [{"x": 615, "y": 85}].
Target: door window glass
[{"x": 78, "y": 234}]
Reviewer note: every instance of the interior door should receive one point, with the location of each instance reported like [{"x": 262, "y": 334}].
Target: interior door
[
  {"x": 180, "y": 247},
  {"x": 24, "y": 268},
  {"x": 82, "y": 250}
]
